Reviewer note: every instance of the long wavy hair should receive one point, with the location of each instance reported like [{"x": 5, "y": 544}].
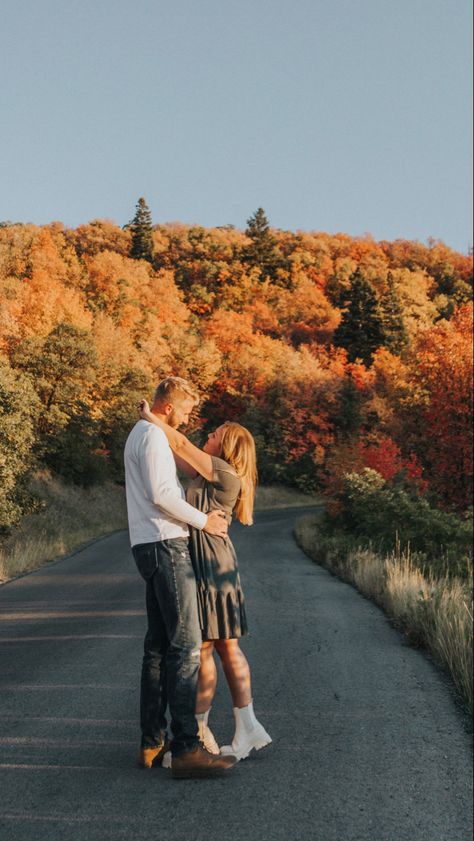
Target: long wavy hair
[{"x": 238, "y": 449}]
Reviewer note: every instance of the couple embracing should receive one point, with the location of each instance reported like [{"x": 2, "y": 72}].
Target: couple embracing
[{"x": 194, "y": 600}]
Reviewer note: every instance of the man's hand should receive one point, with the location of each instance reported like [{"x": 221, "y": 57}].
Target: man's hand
[{"x": 216, "y": 524}]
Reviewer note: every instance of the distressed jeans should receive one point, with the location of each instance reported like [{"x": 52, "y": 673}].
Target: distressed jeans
[{"x": 172, "y": 644}]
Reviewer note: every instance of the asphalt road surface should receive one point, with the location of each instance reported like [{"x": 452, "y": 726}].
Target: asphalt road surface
[{"x": 368, "y": 741}]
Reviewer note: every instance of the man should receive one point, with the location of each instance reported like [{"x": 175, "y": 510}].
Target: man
[{"x": 158, "y": 516}]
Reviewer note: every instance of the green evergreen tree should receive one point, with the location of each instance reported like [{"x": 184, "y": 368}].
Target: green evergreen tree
[
  {"x": 347, "y": 416},
  {"x": 262, "y": 251},
  {"x": 142, "y": 233},
  {"x": 361, "y": 329},
  {"x": 391, "y": 311}
]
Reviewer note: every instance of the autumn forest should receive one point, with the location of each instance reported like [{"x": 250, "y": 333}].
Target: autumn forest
[{"x": 344, "y": 356}]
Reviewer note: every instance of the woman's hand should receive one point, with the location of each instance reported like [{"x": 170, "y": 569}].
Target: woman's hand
[{"x": 144, "y": 409}]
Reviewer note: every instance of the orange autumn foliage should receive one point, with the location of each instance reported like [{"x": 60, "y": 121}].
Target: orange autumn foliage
[
  {"x": 444, "y": 373},
  {"x": 260, "y": 347}
]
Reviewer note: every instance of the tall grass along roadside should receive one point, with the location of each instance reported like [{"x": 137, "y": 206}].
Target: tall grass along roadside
[
  {"x": 434, "y": 611},
  {"x": 69, "y": 515}
]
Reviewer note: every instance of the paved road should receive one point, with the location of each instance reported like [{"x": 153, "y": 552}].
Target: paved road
[{"x": 369, "y": 744}]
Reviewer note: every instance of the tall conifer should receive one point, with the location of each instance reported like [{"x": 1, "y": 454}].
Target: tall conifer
[
  {"x": 142, "y": 233},
  {"x": 262, "y": 250},
  {"x": 391, "y": 312},
  {"x": 361, "y": 329},
  {"x": 348, "y": 410}
]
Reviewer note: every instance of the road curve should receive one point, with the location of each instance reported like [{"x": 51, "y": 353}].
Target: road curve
[{"x": 369, "y": 744}]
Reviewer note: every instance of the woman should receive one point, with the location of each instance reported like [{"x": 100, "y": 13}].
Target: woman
[{"x": 224, "y": 477}]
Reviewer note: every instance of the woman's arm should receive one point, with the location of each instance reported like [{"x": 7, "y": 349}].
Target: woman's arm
[
  {"x": 180, "y": 445},
  {"x": 186, "y": 468}
]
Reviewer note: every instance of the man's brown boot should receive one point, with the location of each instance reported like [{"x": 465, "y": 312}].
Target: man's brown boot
[
  {"x": 198, "y": 762},
  {"x": 152, "y": 757}
]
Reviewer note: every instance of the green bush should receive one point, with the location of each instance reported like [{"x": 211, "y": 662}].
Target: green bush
[
  {"x": 18, "y": 406},
  {"x": 121, "y": 415},
  {"x": 75, "y": 452},
  {"x": 377, "y": 513}
]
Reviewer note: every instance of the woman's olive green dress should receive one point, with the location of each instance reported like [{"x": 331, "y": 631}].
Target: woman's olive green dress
[{"x": 220, "y": 597}]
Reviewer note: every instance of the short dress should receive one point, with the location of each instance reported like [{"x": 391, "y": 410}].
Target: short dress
[{"x": 221, "y": 601}]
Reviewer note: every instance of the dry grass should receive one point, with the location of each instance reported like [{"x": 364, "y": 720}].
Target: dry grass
[
  {"x": 437, "y": 613},
  {"x": 434, "y": 612},
  {"x": 366, "y": 572},
  {"x": 278, "y": 496},
  {"x": 69, "y": 517}
]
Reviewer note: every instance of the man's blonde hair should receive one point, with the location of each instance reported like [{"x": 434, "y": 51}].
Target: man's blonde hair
[{"x": 174, "y": 389}]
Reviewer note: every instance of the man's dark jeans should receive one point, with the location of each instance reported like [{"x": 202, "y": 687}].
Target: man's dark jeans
[{"x": 172, "y": 644}]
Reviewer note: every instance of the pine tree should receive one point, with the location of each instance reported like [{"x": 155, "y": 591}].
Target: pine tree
[
  {"x": 391, "y": 311},
  {"x": 262, "y": 250},
  {"x": 347, "y": 417},
  {"x": 142, "y": 233},
  {"x": 361, "y": 329}
]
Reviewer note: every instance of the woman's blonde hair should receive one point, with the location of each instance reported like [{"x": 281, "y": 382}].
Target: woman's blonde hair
[{"x": 238, "y": 449}]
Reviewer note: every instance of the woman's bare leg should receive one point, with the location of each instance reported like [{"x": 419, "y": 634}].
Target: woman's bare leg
[
  {"x": 249, "y": 733},
  {"x": 207, "y": 680},
  {"x": 236, "y": 670}
]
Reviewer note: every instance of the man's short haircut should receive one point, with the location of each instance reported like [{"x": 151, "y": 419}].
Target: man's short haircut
[{"x": 174, "y": 389}]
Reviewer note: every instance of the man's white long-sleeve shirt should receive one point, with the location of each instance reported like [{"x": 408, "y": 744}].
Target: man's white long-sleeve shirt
[{"x": 157, "y": 509}]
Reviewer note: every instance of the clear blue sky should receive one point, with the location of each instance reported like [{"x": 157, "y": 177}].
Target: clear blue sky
[{"x": 333, "y": 115}]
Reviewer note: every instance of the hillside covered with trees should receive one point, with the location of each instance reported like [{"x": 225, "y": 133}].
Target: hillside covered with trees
[{"x": 341, "y": 354}]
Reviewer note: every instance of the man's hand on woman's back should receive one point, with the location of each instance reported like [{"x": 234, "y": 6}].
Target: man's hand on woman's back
[{"x": 216, "y": 524}]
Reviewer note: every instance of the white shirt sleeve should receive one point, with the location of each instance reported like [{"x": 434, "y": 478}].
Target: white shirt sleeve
[{"x": 158, "y": 471}]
